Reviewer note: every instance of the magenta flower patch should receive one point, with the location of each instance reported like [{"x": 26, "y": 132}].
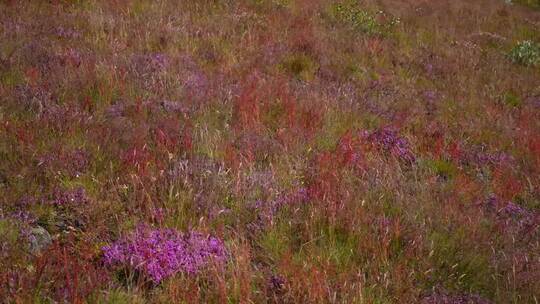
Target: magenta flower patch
[
  {"x": 161, "y": 253},
  {"x": 389, "y": 141}
]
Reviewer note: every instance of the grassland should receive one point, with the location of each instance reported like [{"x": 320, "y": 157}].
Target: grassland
[{"x": 270, "y": 151}]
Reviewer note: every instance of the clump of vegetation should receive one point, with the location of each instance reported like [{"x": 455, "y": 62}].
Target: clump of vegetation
[
  {"x": 530, "y": 3},
  {"x": 511, "y": 99},
  {"x": 302, "y": 66},
  {"x": 526, "y": 53},
  {"x": 162, "y": 253},
  {"x": 363, "y": 20}
]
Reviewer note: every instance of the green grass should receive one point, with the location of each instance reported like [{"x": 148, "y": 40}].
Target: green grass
[{"x": 526, "y": 53}]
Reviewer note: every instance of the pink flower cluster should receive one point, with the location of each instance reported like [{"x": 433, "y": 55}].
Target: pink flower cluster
[{"x": 161, "y": 253}]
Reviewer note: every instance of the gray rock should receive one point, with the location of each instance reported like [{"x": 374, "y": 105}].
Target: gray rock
[{"x": 39, "y": 239}]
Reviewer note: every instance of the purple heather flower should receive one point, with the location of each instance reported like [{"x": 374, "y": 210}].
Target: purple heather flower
[
  {"x": 506, "y": 208},
  {"x": 173, "y": 107},
  {"x": 26, "y": 224},
  {"x": 196, "y": 83},
  {"x": 483, "y": 158},
  {"x": 67, "y": 33},
  {"x": 512, "y": 215},
  {"x": 429, "y": 68},
  {"x": 148, "y": 64},
  {"x": 24, "y": 217},
  {"x": 479, "y": 156},
  {"x": 266, "y": 210},
  {"x": 492, "y": 202},
  {"x": 276, "y": 284},
  {"x": 161, "y": 253},
  {"x": 389, "y": 141},
  {"x": 26, "y": 200},
  {"x": 72, "y": 163},
  {"x": 69, "y": 197},
  {"x": 297, "y": 196},
  {"x": 514, "y": 210},
  {"x": 79, "y": 160},
  {"x": 430, "y": 96},
  {"x": 35, "y": 98}
]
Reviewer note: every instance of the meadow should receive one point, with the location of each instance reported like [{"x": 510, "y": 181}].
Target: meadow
[{"x": 270, "y": 151}]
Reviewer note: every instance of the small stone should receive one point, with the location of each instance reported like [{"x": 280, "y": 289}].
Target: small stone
[{"x": 39, "y": 239}]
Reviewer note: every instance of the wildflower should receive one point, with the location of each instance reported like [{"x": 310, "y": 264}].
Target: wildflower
[
  {"x": 388, "y": 141},
  {"x": 511, "y": 214},
  {"x": 161, "y": 253},
  {"x": 276, "y": 284},
  {"x": 24, "y": 217},
  {"x": 513, "y": 210},
  {"x": 35, "y": 98},
  {"x": 484, "y": 158},
  {"x": 196, "y": 84},
  {"x": 67, "y": 33},
  {"x": 72, "y": 163},
  {"x": 173, "y": 107},
  {"x": 266, "y": 210},
  {"x": 78, "y": 160},
  {"x": 69, "y": 197},
  {"x": 148, "y": 64},
  {"x": 430, "y": 95},
  {"x": 26, "y": 200}
]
